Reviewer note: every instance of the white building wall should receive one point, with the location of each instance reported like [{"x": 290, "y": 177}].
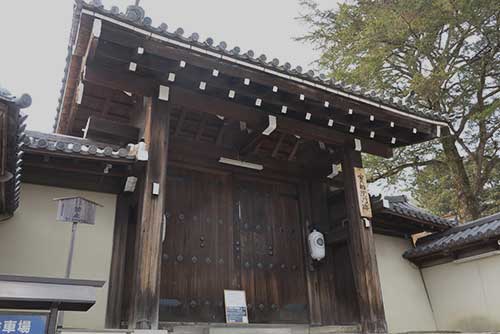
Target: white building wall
[
  {"x": 34, "y": 243},
  {"x": 466, "y": 296},
  {"x": 406, "y": 304}
]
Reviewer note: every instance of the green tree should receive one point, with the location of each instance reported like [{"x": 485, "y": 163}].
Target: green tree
[{"x": 444, "y": 53}]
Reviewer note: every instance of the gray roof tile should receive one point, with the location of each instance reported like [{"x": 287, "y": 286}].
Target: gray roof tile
[
  {"x": 484, "y": 228},
  {"x": 401, "y": 206},
  {"x": 74, "y": 145}
]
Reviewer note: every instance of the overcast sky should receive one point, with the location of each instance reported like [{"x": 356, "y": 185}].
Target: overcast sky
[{"x": 35, "y": 36}]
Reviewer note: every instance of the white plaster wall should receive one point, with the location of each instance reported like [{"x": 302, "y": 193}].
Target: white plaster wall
[
  {"x": 33, "y": 243},
  {"x": 466, "y": 296},
  {"x": 406, "y": 304}
]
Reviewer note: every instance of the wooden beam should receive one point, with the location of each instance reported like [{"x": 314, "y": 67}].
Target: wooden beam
[
  {"x": 155, "y": 47},
  {"x": 253, "y": 117},
  {"x": 193, "y": 74},
  {"x": 362, "y": 251},
  {"x": 201, "y": 127},
  {"x": 278, "y": 145},
  {"x": 337, "y": 235},
  {"x": 147, "y": 265},
  {"x": 203, "y": 102},
  {"x": 103, "y": 130}
]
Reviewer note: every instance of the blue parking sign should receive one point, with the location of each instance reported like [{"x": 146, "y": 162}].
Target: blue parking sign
[{"x": 23, "y": 323}]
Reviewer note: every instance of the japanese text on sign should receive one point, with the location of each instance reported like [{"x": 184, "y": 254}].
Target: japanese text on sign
[
  {"x": 22, "y": 323},
  {"x": 363, "y": 195}
]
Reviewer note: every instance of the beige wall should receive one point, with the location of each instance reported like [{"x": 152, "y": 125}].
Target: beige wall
[
  {"x": 466, "y": 296},
  {"x": 33, "y": 243},
  {"x": 405, "y": 300}
]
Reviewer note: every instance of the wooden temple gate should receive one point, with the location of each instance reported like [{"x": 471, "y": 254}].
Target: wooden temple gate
[{"x": 239, "y": 154}]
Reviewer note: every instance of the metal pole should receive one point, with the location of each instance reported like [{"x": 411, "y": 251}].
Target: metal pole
[
  {"x": 71, "y": 250},
  {"x": 69, "y": 264}
]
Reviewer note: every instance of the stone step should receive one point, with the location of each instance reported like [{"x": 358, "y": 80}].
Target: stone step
[{"x": 335, "y": 329}]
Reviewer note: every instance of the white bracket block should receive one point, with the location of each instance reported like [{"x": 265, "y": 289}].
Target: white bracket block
[
  {"x": 156, "y": 188},
  {"x": 352, "y": 128},
  {"x": 182, "y": 64},
  {"x": 231, "y": 94},
  {"x": 308, "y": 116},
  {"x": 271, "y": 127},
  {"x": 246, "y": 81},
  {"x": 330, "y": 122},
  {"x": 215, "y": 73},
  {"x": 132, "y": 67},
  {"x": 393, "y": 140},
  {"x": 302, "y": 97},
  {"x": 327, "y": 104},
  {"x": 171, "y": 77},
  {"x": 79, "y": 93},
  {"x": 164, "y": 93},
  {"x": 203, "y": 85},
  {"x": 336, "y": 169},
  {"x": 275, "y": 89},
  {"x": 372, "y": 134},
  {"x": 367, "y": 223},
  {"x": 357, "y": 145},
  {"x": 258, "y": 102},
  {"x": 140, "y": 50},
  {"x": 96, "y": 28},
  {"x": 284, "y": 109}
]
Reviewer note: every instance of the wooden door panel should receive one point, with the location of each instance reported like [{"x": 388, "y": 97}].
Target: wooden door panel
[
  {"x": 272, "y": 267},
  {"x": 197, "y": 264}
]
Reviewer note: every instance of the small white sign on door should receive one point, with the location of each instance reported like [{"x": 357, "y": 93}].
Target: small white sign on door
[{"x": 236, "y": 306}]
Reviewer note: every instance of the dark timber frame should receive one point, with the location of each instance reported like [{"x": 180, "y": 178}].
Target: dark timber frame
[{"x": 192, "y": 107}]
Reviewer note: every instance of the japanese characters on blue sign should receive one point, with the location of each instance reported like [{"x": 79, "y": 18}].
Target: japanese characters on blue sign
[{"x": 17, "y": 323}]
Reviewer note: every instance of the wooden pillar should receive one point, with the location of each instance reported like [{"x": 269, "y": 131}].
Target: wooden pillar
[
  {"x": 362, "y": 246},
  {"x": 118, "y": 257},
  {"x": 147, "y": 265}
]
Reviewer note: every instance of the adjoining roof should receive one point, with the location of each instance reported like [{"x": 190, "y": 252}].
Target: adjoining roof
[
  {"x": 458, "y": 236},
  {"x": 401, "y": 207},
  {"x": 68, "y": 145},
  {"x": 12, "y": 126},
  {"x": 136, "y": 16}
]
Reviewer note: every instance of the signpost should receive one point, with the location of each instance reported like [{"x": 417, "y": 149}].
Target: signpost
[{"x": 75, "y": 210}]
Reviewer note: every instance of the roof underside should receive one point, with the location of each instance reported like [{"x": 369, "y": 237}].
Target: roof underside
[{"x": 130, "y": 58}]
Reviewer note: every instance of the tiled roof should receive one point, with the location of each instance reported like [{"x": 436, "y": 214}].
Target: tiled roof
[
  {"x": 136, "y": 16},
  {"x": 400, "y": 206},
  {"x": 484, "y": 228},
  {"x": 23, "y": 101},
  {"x": 74, "y": 145},
  {"x": 14, "y": 126}
]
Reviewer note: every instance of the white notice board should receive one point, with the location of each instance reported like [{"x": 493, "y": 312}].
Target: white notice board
[{"x": 236, "y": 306}]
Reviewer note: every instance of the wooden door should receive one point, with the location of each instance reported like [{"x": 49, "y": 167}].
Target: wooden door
[
  {"x": 270, "y": 252},
  {"x": 197, "y": 262},
  {"x": 225, "y": 232}
]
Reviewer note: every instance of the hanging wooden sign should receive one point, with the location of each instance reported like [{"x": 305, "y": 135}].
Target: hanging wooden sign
[{"x": 363, "y": 195}]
